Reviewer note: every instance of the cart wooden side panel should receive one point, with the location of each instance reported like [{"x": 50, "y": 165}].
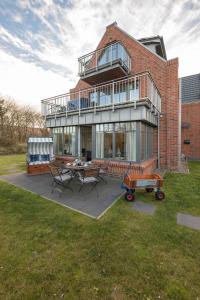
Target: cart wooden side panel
[{"x": 133, "y": 181}]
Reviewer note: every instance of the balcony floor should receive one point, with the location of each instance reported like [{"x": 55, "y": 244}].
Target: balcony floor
[{"x": 104, "y": 73}]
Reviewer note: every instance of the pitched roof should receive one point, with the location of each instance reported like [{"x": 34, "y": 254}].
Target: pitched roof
[{"x": 161, "y": 53}]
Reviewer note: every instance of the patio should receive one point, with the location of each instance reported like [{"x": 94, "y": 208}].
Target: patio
[{"x": 93, "y": 203}]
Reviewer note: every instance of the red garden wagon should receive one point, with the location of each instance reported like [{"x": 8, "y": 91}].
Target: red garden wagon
[{"x": 150, "y": 182}]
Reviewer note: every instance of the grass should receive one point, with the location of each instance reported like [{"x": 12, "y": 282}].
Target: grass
[
  {"x": 49, "y": 252},
  {"x": 12, "y": 163}
]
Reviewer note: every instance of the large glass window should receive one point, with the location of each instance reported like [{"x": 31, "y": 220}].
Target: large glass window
[
  {"x": 104, "y": 141},
  {"x": 69, "y": 140},
  {"x": 58, "y": 140},
  {"x": 64, "y": 139},
  {"x": 146, "y": 141},
  {"x": 120, "y": 141},
  {"x": 122, "y": 92},
  {"x": 108, "y": 140},
  {"x": 116, "y": 140},
  {"x": 113, "y": 52},
  {"x": 99, "y": 141},
  {"x": 131, "y": 141}
]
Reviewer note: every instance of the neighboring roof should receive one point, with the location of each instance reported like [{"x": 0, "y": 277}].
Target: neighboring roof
[
  {"x": 156, "y": 40},
  {"x": 190, "y": 88}
]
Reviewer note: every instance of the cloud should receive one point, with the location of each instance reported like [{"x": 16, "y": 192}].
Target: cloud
[
  {"x": 44, "y": 38},
  {"x": 28, "y": 83}
]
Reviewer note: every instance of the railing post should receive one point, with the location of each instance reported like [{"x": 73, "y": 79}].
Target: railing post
[
  {"x": 113, "y": 93},
  {"x": 95, "y": 101},
  {"x": 66, "y": 107},
  {"x": 135, "y": 83},
  {"x": 111, "y": 54},
  {"x": 55, "y": 110},
  {"x": 79, "y": 103},
  {"x": 96, "y": 60}
]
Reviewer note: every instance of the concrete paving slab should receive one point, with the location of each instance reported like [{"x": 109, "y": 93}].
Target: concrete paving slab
[
  {"x": 91, "y": 203},
  {"x": 144, "y": 207},
  {"x": 188, "y": 221}
]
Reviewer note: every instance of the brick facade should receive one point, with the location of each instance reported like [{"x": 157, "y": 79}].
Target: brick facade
[
  {"x": 191, "y": 129},
  {"x": 165, "y": 75}
]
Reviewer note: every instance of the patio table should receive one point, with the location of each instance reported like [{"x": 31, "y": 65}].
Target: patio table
[{"x": 75, "y": 169}]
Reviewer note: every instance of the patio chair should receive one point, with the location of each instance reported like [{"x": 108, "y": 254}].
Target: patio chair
[
  {"x": 59, "y": 179},
  {"x": 88, "y": 176},
  {"x": 104, "y": 170},
  {"x": 61, "y": 165}
]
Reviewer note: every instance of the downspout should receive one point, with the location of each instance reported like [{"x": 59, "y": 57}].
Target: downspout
[
  {"x": 180, "y": 116},
  {"x": 158, "y": 140}
]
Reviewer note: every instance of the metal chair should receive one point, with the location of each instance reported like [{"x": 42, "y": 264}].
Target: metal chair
[
  {"x": 104, "y": 170},
  {"x": 88, "y": 176},
  {"x": 61, "y": 165},
  {"x": 59, "y": 179}
]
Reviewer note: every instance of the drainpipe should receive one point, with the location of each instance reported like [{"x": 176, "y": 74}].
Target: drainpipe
[
  {"x": 180, "y": 117},
  {"x": 158, "y": 140}
]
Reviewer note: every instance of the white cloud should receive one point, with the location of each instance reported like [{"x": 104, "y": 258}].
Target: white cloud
[
  {"x": 70, "y": 32},
  {"x": 27, "y": 83}
]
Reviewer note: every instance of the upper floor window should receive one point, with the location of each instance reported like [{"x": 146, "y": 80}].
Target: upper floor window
[{"x": 112, "y": 53}]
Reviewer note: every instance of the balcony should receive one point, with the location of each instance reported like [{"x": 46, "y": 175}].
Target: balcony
[
  {"x": 105, "y": 64},
  {"x": 134, "y": 91}
]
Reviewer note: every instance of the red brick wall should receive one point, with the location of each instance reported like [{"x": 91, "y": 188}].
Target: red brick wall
[
  {"x": 191, "y": 116},
  {"x": 118, "y": 169},
  {"x": 165, "y": 75}
]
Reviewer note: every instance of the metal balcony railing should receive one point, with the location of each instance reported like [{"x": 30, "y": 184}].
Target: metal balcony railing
[
  {"x": 114, "y": 94},
  {"x": 104, "y": 57}
]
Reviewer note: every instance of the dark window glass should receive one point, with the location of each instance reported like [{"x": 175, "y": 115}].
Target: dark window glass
[{"x": 108, "y": 147}]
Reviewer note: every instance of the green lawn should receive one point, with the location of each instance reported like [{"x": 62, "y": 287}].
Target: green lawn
[
  {"x": 49, "y": 252},
  {"x": 12, "y": 163}
]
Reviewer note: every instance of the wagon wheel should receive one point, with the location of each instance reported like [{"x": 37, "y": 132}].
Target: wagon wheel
[
  {"x": 129, "y": 197},
  {"x": 149, "y": 190},
  {"x": 160, "y": 195}
]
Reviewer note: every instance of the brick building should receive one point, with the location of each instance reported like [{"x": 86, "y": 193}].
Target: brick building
[
  {"x": 125, "y": 106},
  {"x": 190, "y": 124}
]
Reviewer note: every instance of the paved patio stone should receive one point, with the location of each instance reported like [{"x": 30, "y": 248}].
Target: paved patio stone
[
  {"x": 188, "y": 221},
  {"x": 92, "y": 203},
  {"x": 144, "y": 207}
]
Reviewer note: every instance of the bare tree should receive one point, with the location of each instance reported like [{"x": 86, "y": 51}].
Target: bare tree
[{"x": 18, "y": 122}]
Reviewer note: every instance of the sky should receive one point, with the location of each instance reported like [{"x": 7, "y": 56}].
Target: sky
[{"x": 41, "y": 40}]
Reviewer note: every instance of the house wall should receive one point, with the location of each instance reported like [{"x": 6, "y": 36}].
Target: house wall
[
  {"x": 165, "y": 75},
  {"x": 191, "y": 129}
]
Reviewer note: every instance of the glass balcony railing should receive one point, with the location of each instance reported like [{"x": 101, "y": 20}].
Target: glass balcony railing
[
  {"x": 121, "y": 92},
  {"x": 101, "y": 58}
]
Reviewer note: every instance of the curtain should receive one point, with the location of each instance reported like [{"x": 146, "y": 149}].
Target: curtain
[
  {"x": 131, "y": 145},
  {"x": 99, "y": 145},
  {"x": 73, "y": 144}
]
